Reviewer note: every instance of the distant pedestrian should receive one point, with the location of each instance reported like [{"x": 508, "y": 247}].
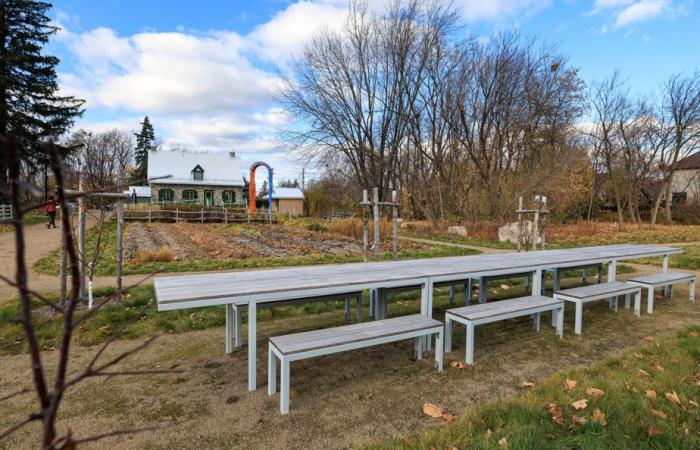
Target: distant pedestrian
[{"x": 51, "y": 212}]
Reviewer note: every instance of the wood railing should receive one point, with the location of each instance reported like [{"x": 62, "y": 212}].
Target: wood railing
[
  {"x": 150, "y": 213},
  {"x": 6, "y": 212}
]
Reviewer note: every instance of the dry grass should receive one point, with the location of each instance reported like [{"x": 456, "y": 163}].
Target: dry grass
[
  {"x": 163, "y": 254},
  {"x": 486, "y": 230},
  {"x": 352, "y": 227}
]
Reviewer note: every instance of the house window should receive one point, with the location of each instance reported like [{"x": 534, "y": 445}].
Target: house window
[
  {"x": 198, "y": 173},
  {"x": 165, "y": 196},
  {"x": 189, "y": 196},
  {"x": 229, "y": 197},
  {"x": 679, "y": 198}
]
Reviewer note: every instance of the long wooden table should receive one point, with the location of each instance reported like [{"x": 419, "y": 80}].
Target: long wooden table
[{"x": 252, "y": 287}]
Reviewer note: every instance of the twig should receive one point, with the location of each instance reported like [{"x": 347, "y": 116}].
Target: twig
[
  {"x": 33, "y": 293},
  {"x": 19, "y": 425},
  {"x": 14, "y": 394}
]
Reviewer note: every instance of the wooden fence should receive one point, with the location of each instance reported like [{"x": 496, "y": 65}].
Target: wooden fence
[
  {"x": 202, "y": 215},
  {"x": 5, "y": 212}
]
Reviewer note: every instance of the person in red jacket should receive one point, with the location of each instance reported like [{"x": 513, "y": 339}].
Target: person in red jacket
[{"x": 51, "y": 212}]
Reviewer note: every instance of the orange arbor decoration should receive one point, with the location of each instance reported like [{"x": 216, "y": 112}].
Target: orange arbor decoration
[{"x": 251, "y": 187}]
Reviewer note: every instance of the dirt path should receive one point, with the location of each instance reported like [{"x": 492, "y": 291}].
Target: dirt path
[{"x": 483, "y": 250}]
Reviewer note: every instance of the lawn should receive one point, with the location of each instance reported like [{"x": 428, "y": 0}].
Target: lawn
[{"x": 646, "y": 398}]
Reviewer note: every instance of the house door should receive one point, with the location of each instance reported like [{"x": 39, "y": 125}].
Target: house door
[{"x": 208, "y": 198}]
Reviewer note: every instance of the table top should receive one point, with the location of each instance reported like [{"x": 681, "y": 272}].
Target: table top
[{"x": 176, "y": 292}]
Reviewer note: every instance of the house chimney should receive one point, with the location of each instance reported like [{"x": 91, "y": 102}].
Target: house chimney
[{"x": 232, "y": 154}]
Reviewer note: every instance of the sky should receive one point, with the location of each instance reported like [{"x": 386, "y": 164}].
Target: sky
[{"x": 205, "y": 71}]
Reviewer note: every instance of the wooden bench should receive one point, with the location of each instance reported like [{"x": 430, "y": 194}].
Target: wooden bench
[
  {"x": 293, "y": 347},
  {"x": 234, "y": 329},
  {"x": 471, "y": 316},
  {"x": 664, "y": 279},
  {"x": 604, "y": 291}
]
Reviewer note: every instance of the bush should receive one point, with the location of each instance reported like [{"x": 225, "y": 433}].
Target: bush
[
  {"x": 163, "y": 254},
  {"x": 315, "y": 226}
]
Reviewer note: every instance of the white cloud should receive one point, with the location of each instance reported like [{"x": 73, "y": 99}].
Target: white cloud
[
  {"x": 623, "y": 13},
  {"x": 641, "y": 12}
]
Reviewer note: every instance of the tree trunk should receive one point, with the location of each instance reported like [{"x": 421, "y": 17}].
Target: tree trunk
[
  {"x": 655, "y": 209},
  {"x": 667, "y": 207}
]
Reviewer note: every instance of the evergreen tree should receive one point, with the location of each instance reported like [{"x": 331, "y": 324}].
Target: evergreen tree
[
  {"x": 30, "y": 108},
  {"x": 145, "y": 141}
]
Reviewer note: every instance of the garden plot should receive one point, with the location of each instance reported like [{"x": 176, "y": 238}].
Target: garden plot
[{"x": 181, "y": 241}]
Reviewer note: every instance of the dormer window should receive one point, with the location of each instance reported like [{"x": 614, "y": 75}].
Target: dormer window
[{"x": 198, "y": 173}]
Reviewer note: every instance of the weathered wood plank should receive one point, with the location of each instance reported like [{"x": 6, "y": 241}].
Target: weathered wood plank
[
  {"x": 662, "y": 278},
  {"x": 501, "y": 307},
  {"x": 611, "y": 288}
]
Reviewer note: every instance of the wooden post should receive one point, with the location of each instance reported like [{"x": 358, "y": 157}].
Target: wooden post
[
  {"x": 62, "y": 256},
  {"x": 149, "y": 213},
  {"x": 81, "y": 235},
  {"x": 394, "y": 224},
  {"x": 201, "y": 215},
  {"x": 365, "y": 224},
  {"x": 120, "y": 246},
  {"x": 543, "y": 204},
  {"x": 225, "y": 215},
  {"x": 535, "y": 222},
  {"x": 375, "y": 205},
  {"x": 520, "y": 222}
]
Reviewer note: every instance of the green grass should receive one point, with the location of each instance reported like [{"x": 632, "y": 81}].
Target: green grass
[
  {"x": 525, "y": 423},
  {"x": 106, "y": 266},
  {"x": 688, "y": 260},
  {"x": 455, "y": 239}
]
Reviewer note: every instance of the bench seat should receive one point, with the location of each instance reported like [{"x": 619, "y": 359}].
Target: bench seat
[
  {"x": 604, "y": 291},
  {"x": 234, "y": 329},
  {"x": 663, "y": 279},
  {"x": 309, "y": 344},
  {"x": 471, "y": 316}
]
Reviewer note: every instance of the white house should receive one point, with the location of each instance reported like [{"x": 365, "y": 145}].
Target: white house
[
  {"x": 199, "y": 178},
  {"x": 686, "y": 180}
]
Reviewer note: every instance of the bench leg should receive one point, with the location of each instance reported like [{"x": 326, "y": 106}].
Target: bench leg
[
  {"x": 600, "y": 273},
  {"x": 627, "y": 301},
  {"x": 371, "y": 302},
  {"x": 347, "y": 309},
  {"x": 691, "y": 292},
  {"x": 616, "y": 302},
  {"x": 527, "y": 283},
  {"x": 230, "y": 323},
  {"x": 638, "y": 303},
  {"x": 536, "y": 322},
  {"x": 252, "y": 346},
  {"x": 560, "y": 320},
  {"x": 384, "y": 295},
  {"x": 239, "y": 329},
  {"x": 468, "y": 292},
  {"x": 482, "y": 289},
  {"x": 584, "y": 276},
  {"x": 650, "y": 300},
  {"x": 470, "y": 343},
  {"x": 271, "y": 372},
  {"x": 284, "y": 386},
  {"x": 439, "y": 350},
  {"x": 556, "y": 280},
  {"x": 419, "y": 348},
  {"x": 579, "y": 317},
  {"x": 452, "y": 294},
  {"x": 358, "y": 307},
  {"x": 448, "y": 335}
]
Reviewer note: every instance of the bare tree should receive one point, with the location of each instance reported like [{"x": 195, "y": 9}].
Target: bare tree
[
  {"x": 50, "y": 390},
  {"x": 677, "y": 132}
]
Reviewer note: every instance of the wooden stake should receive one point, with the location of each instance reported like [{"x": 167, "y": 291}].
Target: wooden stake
[
  {"x": 394, "y": 224},
  {"x": 120, "y": 246},
  {"x": 365, "y": 225},
  {"x": 62, "y": 259},
  {"x": 375, "y": 204},
  {"x": 81, "y": 236}
]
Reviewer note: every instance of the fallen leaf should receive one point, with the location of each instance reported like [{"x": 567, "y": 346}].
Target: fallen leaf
[
  {"x": 673, "y": 397},
  {"x": 649, "y": 393},
  {"x": 555, "y": 412},
  {"x": 653, "y": 432},
  {"x": 643, "y": 372},
  {"x": 569, "y": 384},
  {"x": 595, "y": 392},
  {"x": 527, "y": 384},
  {"x": 580, "y": 404},
  {"x": 458, "y": 365},
  {"x": 598, "y": 417},
  {"x": 408, "y": 441},
  {"x": 648, "y": 338},
  {"x": 447, "y": 417},
  {"x": 503, "y": 443},
  {"x": 488, "y": 434},
  {"x": 685, "y": 429},
  {"x": 577, "y": 420},
  {"x": 693, "y": 334},
  {"x": 631, "y": 388},
  {"x": 505, "y": 287},
  {"x": 639, "y": 355},
  {"x": 693, "y": 402},
  {"x": 658, "y": 413},
  {"x": 658, "y": 367},
  {"x": 453, "y": 448},
  {"x": 432, "y": 410}
]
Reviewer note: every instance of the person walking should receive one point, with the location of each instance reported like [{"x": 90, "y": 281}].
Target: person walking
[{"x": 50, "y": 210}]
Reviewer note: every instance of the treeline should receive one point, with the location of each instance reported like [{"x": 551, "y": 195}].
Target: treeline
[{"x": 463, "y": 127}]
